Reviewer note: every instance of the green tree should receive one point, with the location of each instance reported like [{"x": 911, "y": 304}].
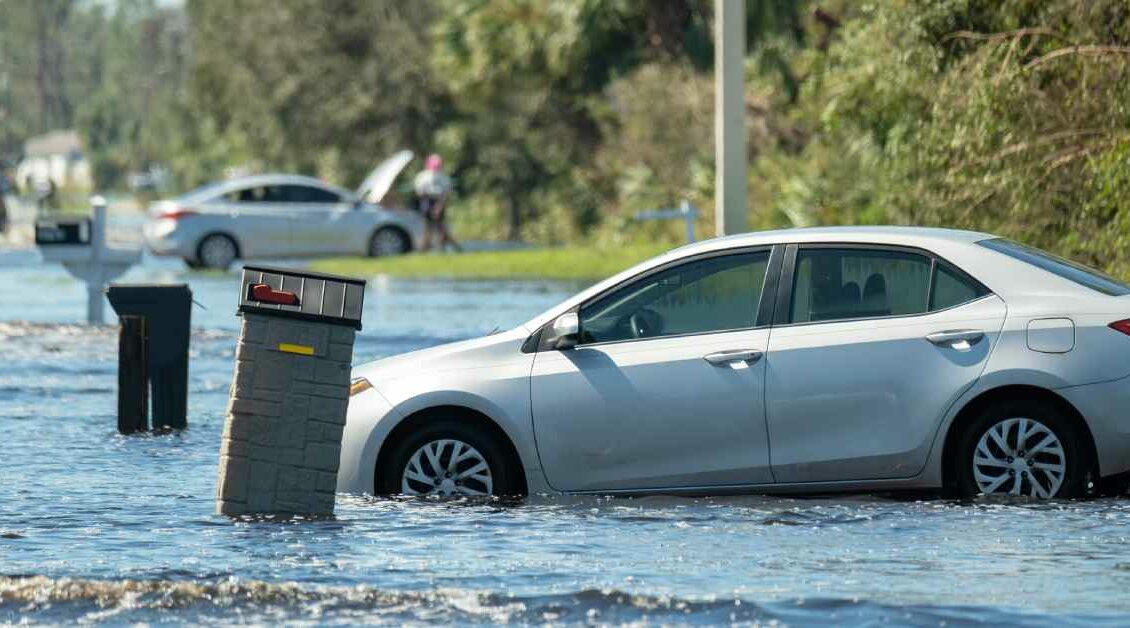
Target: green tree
[{"x": 323, "y": 87}]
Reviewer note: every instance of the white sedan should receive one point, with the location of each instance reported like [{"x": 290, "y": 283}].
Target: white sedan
[
  {"x": 808, "y": 360},
  {"x": 280, "y": 215}
]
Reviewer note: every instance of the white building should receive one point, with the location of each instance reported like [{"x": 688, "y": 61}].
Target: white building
[{"x": 56, "y": 156}]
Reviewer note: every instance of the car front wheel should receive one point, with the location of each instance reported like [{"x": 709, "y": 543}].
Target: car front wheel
[
  {"x": 1021, "y": 448},
  {"x": 448, "y": 459}
]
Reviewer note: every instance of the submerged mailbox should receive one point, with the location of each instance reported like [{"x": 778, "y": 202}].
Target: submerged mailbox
[
  {"x": 79, "y": 244},
  {"x": 286, "y": 412},
  {"x": 153, "y": 354}
]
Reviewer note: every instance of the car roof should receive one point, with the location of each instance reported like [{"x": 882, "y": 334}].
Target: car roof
[{"x": 887, "y": 234}]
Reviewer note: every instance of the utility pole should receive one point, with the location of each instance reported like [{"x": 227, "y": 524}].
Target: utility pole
[{"x": 729, "y": 117}]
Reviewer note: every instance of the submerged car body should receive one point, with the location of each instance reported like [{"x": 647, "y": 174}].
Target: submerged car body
[
  {"x": 280, "y": 215},
  {"x": 857, "y": 359}
]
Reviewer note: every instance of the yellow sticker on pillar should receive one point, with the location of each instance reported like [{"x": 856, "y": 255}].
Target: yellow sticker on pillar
[{"x": 286, "y": 347}]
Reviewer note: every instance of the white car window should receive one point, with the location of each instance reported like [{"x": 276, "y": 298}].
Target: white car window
[
  {"x": 836, "y": 284},
  {"x": 282, "y": 194},
  {"x": 306, "y": 194},
  {"x": 841, "y": 284},
  {"x": 707, "y": 295}
]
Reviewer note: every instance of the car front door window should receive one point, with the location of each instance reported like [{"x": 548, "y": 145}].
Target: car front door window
[{"x": 707, "y": 295}]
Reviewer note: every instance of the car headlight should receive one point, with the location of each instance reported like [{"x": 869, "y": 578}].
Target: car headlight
[{"x": 358, "y": 385}]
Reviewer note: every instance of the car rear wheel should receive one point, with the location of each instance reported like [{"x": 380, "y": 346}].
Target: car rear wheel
[
  {"x": 1021, "y": 448},
  {"x": 448, "y": 459},
  {"x": 217, "y": 251},
  {"x": 388, "y": 241}
]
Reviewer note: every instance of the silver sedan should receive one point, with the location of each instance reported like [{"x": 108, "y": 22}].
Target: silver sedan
[
  {"x": 838, "y": 359},
  {"x": 278, "y": 216}
]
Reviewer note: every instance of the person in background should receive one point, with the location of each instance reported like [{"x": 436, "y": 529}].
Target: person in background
[{"x": 433, "y": 188}]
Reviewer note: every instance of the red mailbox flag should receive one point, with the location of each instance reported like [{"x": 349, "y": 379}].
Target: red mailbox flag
[{"x": 265, "y": 294}]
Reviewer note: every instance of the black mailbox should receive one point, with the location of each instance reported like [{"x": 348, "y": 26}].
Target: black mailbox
[
  {"x": 300, "y": 294},
  {"x": 50, "y": 232},
  {"x": 166, "y": 310}
]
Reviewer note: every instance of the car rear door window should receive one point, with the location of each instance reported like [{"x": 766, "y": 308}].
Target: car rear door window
[
  {"x": 702, "y": 296},
  {"x": 837, "y": 284},
  {"x": 833, "y": 284}
]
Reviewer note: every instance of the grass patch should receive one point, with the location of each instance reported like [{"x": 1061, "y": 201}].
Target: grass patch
[{"x": 567, "y": 263}]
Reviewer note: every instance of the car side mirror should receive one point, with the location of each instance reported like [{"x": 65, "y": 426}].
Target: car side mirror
[{"x": 565, "y": 332}]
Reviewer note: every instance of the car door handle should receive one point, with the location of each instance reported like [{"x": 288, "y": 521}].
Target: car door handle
[
  {"x": 726, "y": 358},
  {"x": 960, "y": 339}
]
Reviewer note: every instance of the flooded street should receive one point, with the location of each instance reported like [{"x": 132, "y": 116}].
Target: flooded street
[{"x": 95, "y": 526}]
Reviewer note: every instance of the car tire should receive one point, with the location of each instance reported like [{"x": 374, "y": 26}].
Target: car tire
[
  {"x": 389, "y": 241},
  {"x": 217, "y": 251},
  {"x": 193, "y": 264},
  {"x": 462, "y": 450},
  {"x": 1056, "y": 469}
]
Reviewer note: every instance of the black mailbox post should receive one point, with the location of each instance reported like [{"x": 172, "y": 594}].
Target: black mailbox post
[{"x": 166, "y": 313}]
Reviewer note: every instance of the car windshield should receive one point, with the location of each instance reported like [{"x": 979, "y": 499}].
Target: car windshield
[{"x": 1067, "y": 269}]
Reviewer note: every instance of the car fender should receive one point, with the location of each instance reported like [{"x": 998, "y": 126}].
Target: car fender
[
  {"x": 989, "y": 381},
  {"x": 503, "y": 397},
  {"x": 463, "y": 399}
]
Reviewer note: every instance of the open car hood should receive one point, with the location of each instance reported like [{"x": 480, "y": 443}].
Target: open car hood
[{"x": 379, "y": 181}]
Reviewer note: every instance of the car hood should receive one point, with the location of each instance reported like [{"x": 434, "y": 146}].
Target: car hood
[
  {"x": 377, "y": 184},
  {"x": 465, "y": 354}
]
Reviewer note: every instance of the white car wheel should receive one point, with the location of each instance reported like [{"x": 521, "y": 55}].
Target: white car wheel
[
  {"x": 388, "y": 241},
  {"x": 217, "y": 251},
  {"x": 1020, "y": 456},
  {"x": 447, "y": 468}
]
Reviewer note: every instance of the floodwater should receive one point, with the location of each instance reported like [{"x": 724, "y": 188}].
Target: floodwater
[{"x": 97, "y": 527}]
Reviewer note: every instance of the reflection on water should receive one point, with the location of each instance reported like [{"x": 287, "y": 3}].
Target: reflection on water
[{"x": 99, "y": 527}]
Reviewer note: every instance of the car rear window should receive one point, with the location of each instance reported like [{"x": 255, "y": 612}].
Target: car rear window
[{"x": 1087, "y": 277}]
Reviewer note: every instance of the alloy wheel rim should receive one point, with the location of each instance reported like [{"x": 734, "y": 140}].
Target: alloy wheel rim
[
  {"x": 1019, "y": 456},
  {"x": 448, "y": 468},
  {"x": 387, "y": 243},
  {"x": 217, "y": 252}
]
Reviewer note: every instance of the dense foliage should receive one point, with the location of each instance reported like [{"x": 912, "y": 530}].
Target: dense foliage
[
  {"x": 561, "y": 119},
  {"x": 1009, "y": 117}
]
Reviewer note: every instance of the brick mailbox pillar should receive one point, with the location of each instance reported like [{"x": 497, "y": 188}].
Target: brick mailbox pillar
[{"x": 282, "y": 435}]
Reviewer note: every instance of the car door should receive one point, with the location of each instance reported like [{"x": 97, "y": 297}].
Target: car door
[
  {"x": 665, "y": 387},
  {"x": 257, "y": 219},
  {"x": 870, "y": 348},
  {"x": 323, "y": 222}
]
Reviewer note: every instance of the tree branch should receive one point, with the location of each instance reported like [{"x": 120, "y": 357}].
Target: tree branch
[{"x": 1090, "y": 51}]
